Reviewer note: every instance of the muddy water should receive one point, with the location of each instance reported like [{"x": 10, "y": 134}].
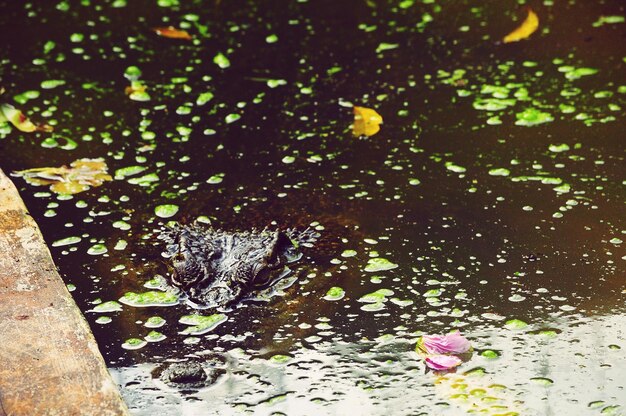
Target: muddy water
[{"x": 496, "y": 186}]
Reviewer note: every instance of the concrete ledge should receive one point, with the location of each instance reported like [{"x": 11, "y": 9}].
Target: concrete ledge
[{"x": 49, "y": 360}]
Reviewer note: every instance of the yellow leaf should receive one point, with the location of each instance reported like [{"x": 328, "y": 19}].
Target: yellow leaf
[
  {"x": 172, "y": 33},
  {"x": 20, "y": 121},
  {"x": 366, "y": 121},
  {"x": 81, "y": 174},
  {"x": 527, "y": 28},
  {"x": 136, "y": 87},
  {"x": 68, "y": 188}
]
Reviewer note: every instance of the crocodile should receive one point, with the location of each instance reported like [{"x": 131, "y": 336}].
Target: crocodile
[{"x": 217, "y": 268}]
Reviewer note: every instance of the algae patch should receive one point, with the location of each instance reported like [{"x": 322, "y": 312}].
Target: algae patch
[
  {"x": 151, "y": 298},
  {"x": 201, "y": 324},
  {"x": 378, "y": 264}
]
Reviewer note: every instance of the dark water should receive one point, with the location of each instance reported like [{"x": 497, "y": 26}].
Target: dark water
[{"x": 488, "y": 221}]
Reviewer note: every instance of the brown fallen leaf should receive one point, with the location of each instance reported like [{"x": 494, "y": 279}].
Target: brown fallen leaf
[
  {"x": 81, "y": 174},
  {"x": 20, "y": 121},
  {"x": 366, "y": 121},
  {"x": 172, "y": 33},
  {"x": 527, "y": 28}
]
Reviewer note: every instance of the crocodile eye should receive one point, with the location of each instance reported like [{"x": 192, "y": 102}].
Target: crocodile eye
[{"x": 179, "y": 259}]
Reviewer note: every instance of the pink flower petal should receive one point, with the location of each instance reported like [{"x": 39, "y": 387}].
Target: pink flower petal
[
  {"x": 453, "y": 343},
  {"x": 442, "y": 362}
]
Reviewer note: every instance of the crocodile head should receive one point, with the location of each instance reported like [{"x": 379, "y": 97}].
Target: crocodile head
[{"x": 215, "y": 267}]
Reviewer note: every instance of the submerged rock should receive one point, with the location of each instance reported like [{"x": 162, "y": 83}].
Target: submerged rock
[{"x": 217, "y": 268}]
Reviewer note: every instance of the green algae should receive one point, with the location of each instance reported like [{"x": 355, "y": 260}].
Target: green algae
[
  {"x": 66, "y": 241},
  {"x": 493, "y": 104},
  {"x": 132, "y": 73},
  {"x": 515, "y": 324},
  {"x": 103, "y": 320},
  {"x": 608, "y": 20},
  {"x": 494, "y": 121},
  {"x": 542, "y": 381},
  {"x": 563, "y": 188},
  {"x": 144, "y": 180},
  {"x": 232, "y": 117},
  {"x": 52, "y": 83},
  {"x": 120, "y": 245},
  {"x": 375, "y": 297},
  {"x": 134, "y": 344},
  {"x": 154, "y": 336},
  {"x": 373, "y": 307},
  {"x": 499, "y": 172},
  {"x": 335, "y": 293},
  {"x": 401, "y": 302},
  {"x": 280, "y": 359},
  {"x": 273, "y": 83},
  {"x": 105, "y": 307},
  {"x": 455, "y": 168},
  {"x": 216, "y": 179},
  {"x": 97, "y": 249},
  {"x": 386, "y": 47},
  {"x": 532, "y": 117},
  {"x": 490, "y": 354},
  {"x": 129, "y": 171},
  {"x": 378, "y": 264},
  {"x": 204, "y": 98},
  {"x": 166, "y": 211},
  {"x": 26, "y": 96},
  {"x": 154, "y": 322},
  {"x": 558, "y": 148},
  {"x": 121, "y": 225},
  {"x": 221, "y": 60},
  {"x": 48, "y": 47},
  {"x": 201, "y": 324},
  {"x": 150, "y": 298},
  {"x": 348, "y": 253},
  {"x": 577, "y": 73}
]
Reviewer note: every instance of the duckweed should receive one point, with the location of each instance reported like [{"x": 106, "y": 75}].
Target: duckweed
[
  {"x": 379, "y": 264},
  {"x": 150, "y": 298},
  {"x": 201, "y": 324}
]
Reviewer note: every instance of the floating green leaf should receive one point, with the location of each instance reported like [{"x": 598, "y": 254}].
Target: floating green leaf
[
  {"x": 151, "y": 298},
  {"x": 129, "y": 171},
  {"x": 97, "y": 249},
  {"x": 515, "y": 324},
  {"x": 532, "y": 117},
  {"x": 201, "y": 323},
  {"x": 110, "y": 306},
  {"x": 204, "y": 98},
  {"x": 134, "y": 344},
  {"x": 378, "y": 264},
  {"x": 154, "y": 322},
  {"x": 154, "y": 336},
  {"x": 499, "y": 172},
  {"x": 166, "y": 211},
  {"x": 335, "y": 293},
  {"x": 280, "y": 359},
  {"x": 378, "y": 296},
  {"x": 221, "y": 60},
  {"x": 66, "y": 241},
  {"x": 606, "y": 20},
  {"x": 558, "y": 148}
]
